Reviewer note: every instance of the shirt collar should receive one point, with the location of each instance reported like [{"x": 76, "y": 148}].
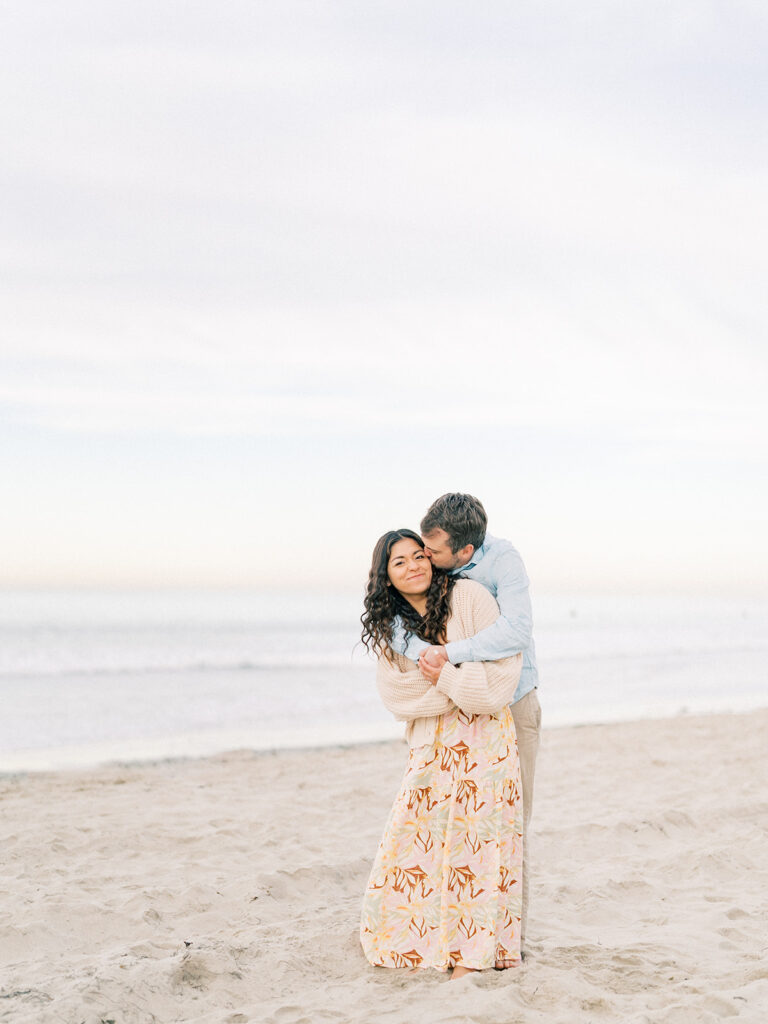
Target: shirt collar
[{"x": 476, "y": 557}]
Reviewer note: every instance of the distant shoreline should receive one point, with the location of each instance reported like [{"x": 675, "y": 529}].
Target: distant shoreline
[{"x": 200, "y": 747}]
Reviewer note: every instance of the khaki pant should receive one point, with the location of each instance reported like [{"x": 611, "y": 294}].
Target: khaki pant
[{"x": 527, "y": 715}]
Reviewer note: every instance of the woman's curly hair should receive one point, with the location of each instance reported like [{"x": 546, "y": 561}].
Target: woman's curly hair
[{"x": 383, "y": 603}]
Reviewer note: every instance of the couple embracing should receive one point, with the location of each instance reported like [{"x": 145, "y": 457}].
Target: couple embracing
[{"x": 448, "y": 616}]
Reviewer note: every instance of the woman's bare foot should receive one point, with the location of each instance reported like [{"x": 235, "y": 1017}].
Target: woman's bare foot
[
  {"x": 459, "y": 971},
  {"x": 502, "y": 965}
]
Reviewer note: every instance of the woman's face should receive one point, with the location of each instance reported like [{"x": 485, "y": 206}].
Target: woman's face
[{"x": 409, "y": 569}]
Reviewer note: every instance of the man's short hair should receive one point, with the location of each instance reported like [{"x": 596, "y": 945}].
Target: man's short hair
[{"x": 463, "y": 518}]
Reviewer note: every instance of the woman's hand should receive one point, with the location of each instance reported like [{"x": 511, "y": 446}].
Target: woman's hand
[{"x": 429, "y": 668}]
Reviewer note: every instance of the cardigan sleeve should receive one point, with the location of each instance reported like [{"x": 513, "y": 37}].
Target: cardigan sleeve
[
  {"x": 407, "y": 693},
  {"x": 478, "y": 687}
]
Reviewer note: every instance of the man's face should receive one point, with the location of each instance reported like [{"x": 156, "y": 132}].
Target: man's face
[{"x": 438, "y": 548}]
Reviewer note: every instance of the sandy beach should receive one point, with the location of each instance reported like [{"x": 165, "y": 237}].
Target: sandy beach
[{"x": 227, "y": 889}]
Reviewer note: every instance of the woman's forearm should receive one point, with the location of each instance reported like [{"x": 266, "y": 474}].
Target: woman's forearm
[{"x": 409, "y": 695}]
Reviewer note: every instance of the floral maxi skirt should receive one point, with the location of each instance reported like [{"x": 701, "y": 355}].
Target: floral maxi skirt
[{"x": 446, "y": 884}]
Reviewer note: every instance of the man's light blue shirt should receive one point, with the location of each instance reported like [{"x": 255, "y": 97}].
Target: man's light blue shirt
[{"x": 499, "y": 567}]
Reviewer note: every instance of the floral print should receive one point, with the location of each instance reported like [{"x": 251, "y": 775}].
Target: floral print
[{"x": 445, "y": 887}]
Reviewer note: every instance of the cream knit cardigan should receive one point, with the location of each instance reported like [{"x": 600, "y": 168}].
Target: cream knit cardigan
[{"x": 477, "y": 687}]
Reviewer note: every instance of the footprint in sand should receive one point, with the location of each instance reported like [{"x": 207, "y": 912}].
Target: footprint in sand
[
  {"x": 192, "y": 972},
  {"x": 290, "y": 1015}
]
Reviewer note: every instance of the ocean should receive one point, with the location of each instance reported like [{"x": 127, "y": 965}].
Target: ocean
[{"x": 93, "y": 676}]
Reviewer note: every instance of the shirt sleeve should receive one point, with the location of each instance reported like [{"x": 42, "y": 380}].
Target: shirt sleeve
[
  {"x": 415, "y": 646},
  {"x": 511, "y": 632}
]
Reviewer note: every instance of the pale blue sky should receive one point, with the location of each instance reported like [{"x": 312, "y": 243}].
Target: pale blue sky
[{"x": 276, "y": 275}]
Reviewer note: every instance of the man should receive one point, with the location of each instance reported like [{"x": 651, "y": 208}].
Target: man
[{"x": 455, "y": 538}]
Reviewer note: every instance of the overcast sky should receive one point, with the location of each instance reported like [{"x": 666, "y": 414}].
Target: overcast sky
[{"x": 275, "y": 275}]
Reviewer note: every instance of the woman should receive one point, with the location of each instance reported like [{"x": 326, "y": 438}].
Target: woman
[{"x": 445, "y": 889}]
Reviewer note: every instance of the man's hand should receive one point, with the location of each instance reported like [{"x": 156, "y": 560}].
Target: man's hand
[
  {"x": 431, "y": 663},
  {"x": 436, "y": 656}
]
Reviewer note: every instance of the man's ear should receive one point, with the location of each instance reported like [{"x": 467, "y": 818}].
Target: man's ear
[{"x": 466, "y": 553}]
